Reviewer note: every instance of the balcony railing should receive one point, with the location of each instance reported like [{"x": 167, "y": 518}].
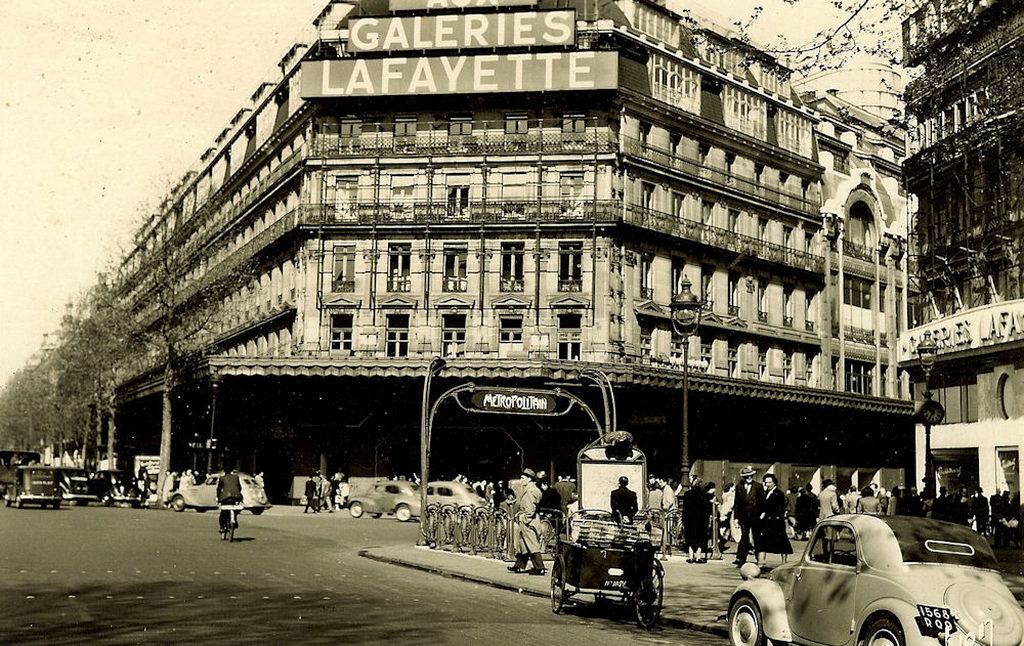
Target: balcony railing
[
  {"x": 570, "y": 284},
  {"x": 787, "y": 321},
  {"x": 511, "y": 285},
  {"x": 762, "y": 317},
  {"x": 860, "y": 335},
  {"x": 859, "y": 251},
  {"x": 369, "y": 212},
  {"x": 399, "y": 284},
  {"x": 694, "y": 168},
  {"x": 343, "y": 286},
  {"x": 723, "y": 238},
  {"x": 483, "y": 142},
  {"x": 455, "y": 284}
]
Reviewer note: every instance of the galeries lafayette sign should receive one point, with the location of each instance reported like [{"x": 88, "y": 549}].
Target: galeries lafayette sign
[
  {"x": 530, "y": 72},
  {"x": 981, "y": 327}
]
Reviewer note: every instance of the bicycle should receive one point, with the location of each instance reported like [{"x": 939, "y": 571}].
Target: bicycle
[{"x": 229, "y": 520}]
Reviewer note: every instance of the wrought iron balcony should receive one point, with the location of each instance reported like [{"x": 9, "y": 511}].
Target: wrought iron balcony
[
  {"x": 488, "y": 139},
  {"x": 734, "y": 310},
  {"x": 511, "y": 285},
  {"x": 694, "y": 168},
  {"x": 570, "y": 284},
  {"x": 343, "y": 286},
  {"x": 859, "y": 251},
  {"x": 860, "y": 335},
  {"x": 455, "y": 284}
]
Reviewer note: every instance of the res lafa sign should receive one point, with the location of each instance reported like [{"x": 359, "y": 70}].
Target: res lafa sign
[
  {"x": 516, "y": 401},
  {"x": 461, "y": 74}
]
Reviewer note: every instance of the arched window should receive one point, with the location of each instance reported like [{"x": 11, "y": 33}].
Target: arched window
[{"x": 860, "y": 225}]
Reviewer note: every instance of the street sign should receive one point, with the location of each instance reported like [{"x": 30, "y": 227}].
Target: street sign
[{"x": 516, "y": 401}]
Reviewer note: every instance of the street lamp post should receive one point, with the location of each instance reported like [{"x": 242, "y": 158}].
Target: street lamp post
[
  {"x": 686, "y": 311},
  {"x": 436, "y": 365},
  {"x": 930, "y": 412}
]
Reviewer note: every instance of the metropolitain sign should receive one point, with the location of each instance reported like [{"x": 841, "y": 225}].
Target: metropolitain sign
[
  {"x": 418, "y": 5},
  {"x": 535, "y": 72},
  {"x": 463, "y": 31}
]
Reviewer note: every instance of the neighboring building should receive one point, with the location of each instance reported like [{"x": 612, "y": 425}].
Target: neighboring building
[
  {"x": 966, "y": 172},
  {"x": 522, "y": 191}
]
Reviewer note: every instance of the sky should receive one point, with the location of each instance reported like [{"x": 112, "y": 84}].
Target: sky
[{"x": 105, "y": 103}]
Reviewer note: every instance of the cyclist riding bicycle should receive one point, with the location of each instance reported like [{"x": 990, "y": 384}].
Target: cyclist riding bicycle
[{"x": 229, "y": 495}]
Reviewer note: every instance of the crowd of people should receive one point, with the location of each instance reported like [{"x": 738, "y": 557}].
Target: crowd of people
[{"x": 321, "y": 493}]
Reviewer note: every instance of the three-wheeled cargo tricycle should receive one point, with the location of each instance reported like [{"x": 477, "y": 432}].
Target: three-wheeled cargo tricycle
[{"x": 601, "y": 553}]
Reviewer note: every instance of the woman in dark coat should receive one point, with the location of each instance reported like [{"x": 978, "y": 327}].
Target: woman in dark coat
[
  {"x": 696, "y": 521},
  {"x": 770, "y": 526}
]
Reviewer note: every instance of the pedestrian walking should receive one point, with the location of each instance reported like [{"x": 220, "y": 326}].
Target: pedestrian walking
[
  {"x": 806, "y": 512},
  {"x": 696, "y": 521},
  {"x": 566, "y": 489},
  {"x": 727, "y": 528},
  {"x": 311, "y": 491},
  {"x": 770, "y": 524},
  {"x": 868, "y": 503},
  {"x": 828, "y": 501},
  {"x": 168, "y": 490},
  {"x": 527, "y": 528},
  {"x": 749, "y": 496},
  {"x": 668, "y": 495},
  {"x": 980, "y": 510}
]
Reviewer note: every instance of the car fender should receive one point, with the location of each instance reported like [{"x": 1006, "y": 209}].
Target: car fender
[
  {"x": 772, "y": 603},
  {"x": 904, "y": 611}
]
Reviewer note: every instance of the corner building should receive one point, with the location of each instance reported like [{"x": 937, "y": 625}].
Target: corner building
[
  {"x": 966, "y": 171},
  {"x": 521, "y": 189}
]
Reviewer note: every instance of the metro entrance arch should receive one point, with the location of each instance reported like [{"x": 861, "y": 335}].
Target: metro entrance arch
[{"x": 474, "y": 398}]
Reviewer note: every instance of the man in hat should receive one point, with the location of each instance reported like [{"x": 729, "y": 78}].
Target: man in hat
[
  {"x": 527, "y": 529},
  {"x": 749, "y": 496}
]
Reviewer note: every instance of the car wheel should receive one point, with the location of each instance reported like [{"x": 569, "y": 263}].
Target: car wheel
[
  {"x": 256, "y": 511},
  {"x": 178, "y": 503},
  {"x": 883, "y": 631},
  {"x": 745, "y": 627},
  {"x": 108, "y": 501},
  {"x": 356, "y": 509},
  {"x": 403, "y": 513}
]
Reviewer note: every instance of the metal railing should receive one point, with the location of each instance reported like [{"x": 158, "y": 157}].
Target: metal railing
[
  {"x": 695, "y": 168},
  {"x": 485, "y": 140},
  {"x": 488, "y": 531}
]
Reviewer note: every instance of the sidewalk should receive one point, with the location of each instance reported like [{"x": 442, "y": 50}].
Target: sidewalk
[{"x": 696, "y": 595}]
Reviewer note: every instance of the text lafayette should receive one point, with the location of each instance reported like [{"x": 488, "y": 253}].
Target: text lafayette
[{"x": 583, "y": 70}]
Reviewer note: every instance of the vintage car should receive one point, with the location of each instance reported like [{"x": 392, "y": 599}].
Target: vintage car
[
  {"x": 398, "y": 497},
  {"x": 402, "y": 498},
  {"x": 203, "y": 497},
  {"x": 452, "y": 492},
  {"x": 74, "y": 486},
  {"x": 114, "y": 487},
  {"x": 880, "y": 580},
  {"x": 34, "y": 485}
]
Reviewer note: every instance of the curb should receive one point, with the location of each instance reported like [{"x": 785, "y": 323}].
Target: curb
[{"x": 673, "y": 622}]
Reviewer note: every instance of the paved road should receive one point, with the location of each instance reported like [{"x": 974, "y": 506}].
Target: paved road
[{"x": 124, "y": 576}]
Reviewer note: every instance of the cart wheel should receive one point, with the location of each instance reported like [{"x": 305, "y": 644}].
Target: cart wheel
[
  {"x": 558, "y": 585},
  {"x": 649, "y": 592}
]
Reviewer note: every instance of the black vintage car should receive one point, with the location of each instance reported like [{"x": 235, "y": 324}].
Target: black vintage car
[
  {"x": 74, "y": 486},
  {"x": 114, "y": 488},
  {"x": 34, "y": 485}
]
